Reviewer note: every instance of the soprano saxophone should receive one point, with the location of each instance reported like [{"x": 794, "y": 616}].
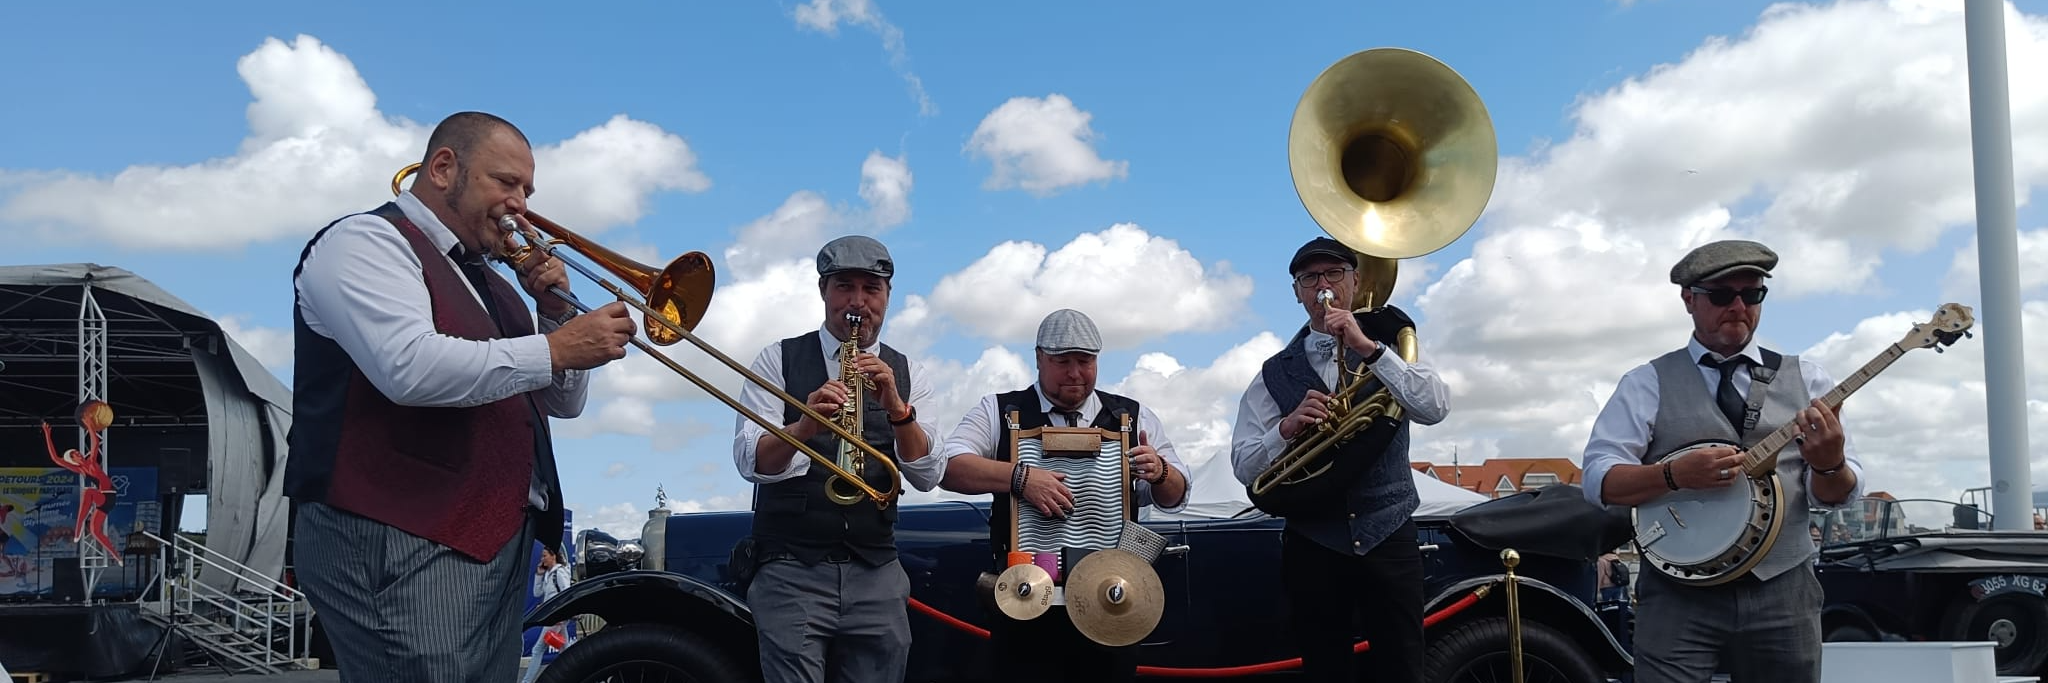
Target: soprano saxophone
[{"x": 850, "y": 458}]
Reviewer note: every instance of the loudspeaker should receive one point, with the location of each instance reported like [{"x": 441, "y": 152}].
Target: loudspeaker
[
  {"x": 67, "y": 581},
  {"x": 178, "y": 472}
]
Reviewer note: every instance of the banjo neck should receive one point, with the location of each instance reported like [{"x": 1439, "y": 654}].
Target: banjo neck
[{"x": 1762, "y": 458}]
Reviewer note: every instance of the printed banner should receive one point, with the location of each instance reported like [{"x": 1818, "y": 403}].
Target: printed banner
[{"x": 39, "y": 514}]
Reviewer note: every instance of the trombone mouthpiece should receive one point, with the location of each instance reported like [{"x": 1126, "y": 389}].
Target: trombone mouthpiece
[
  {"x": 508, "y": 224},
  {"x": 1323, "y": 296}
]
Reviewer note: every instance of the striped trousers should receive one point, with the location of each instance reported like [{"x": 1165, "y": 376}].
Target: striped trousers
[{"x": 397, "y": 607}]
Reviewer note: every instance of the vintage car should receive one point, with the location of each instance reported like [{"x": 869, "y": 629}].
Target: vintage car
[
  {"x": 1932, "y": 570},
  {"x": 677, "y": 616}
]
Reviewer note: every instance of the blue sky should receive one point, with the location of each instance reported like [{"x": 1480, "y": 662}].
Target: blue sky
[{"x": 200, "y": 147}]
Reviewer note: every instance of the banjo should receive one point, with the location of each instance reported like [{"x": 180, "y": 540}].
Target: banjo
[{"x": 1705, "y": 537}]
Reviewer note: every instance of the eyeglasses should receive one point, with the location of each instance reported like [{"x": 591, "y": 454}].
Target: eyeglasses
[
  {"x": 1722, "y": 296},
  {"x": 1331, "y": 276}
]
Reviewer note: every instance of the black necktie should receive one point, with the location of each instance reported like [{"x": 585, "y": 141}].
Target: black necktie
[
  {"x": 1725, "y": 395},
  {"x": 474, "y": 270},
  {"x": 1073, "y": 417}
]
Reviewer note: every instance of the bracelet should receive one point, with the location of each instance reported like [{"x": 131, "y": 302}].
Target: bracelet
[
  {"x": 1668, "y": 481},
  {"x": 1017, "y": 475},
  {"x": 1827, "y": 472},
  {"x": 907, "y": 418}
]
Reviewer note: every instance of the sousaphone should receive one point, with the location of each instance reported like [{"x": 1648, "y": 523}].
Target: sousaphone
[{"x": 1393, "y": 154}]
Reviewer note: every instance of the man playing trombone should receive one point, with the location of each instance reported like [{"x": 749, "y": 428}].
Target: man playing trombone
[
  {"x": 420, "y": 458},
  {"x": 1350, "y": 564},
  {"x": 828, "y": 596}
]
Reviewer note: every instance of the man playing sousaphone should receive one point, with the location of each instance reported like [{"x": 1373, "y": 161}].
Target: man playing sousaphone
[
  {"x": 1349, "y": 562},
  {"x": 979, "y": 460}
]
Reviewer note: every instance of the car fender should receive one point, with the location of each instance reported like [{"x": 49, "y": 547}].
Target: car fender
[
  {"x": 1547, "y": 599},
  {"x": 646, "y": 596}
]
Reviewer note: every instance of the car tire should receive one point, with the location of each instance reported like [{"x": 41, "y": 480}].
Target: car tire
[
  {"x": 2018, "y": 623},
  {"x": 1478, "y": 651},
  {"x": 631, "y": 651},
  {"x": 1849, "y": 632}
]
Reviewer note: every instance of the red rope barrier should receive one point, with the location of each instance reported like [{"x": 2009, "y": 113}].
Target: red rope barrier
[{"x": 1433, "y": 619}]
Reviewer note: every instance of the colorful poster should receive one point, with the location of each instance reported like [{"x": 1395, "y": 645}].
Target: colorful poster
[{"x": 39, "y": 515}]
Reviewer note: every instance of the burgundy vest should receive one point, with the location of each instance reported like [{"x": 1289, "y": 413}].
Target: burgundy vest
[{"x": 455, "y": 476}]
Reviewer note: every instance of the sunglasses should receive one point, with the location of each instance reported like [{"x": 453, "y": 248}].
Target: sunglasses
[{"x": 1722, "y": 296}]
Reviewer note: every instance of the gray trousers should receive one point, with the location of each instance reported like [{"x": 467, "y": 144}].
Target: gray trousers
[
  {"x": 843, "y": 622},
  {"x": 1754, "y": 631},
  {"x": 397, "y": 607}
]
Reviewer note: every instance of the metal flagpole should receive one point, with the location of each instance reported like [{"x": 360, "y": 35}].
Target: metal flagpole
[{"x": 1998, "y": 265}]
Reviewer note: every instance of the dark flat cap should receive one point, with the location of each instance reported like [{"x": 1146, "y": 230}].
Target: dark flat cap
[
  {"x": 1723, "y": 258},
  {"x": 1321, "y": 246},
  {"x": 855, "y": 252}
]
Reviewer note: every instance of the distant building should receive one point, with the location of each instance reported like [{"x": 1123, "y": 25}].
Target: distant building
[{"x": 1503, "y": 476}]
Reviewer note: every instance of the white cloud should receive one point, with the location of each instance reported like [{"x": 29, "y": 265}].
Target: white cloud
[
  {"x": 616, "y": 470},
  {"x": 1964, "y": 280},
  {"x": 1156, "y": 288},
  {"x": 271, "y": 346},
  {"x": 1042, "y": 146},
  {"x": 775, "y": 296},
  {"x": 824, "y": 16},
  {"x": 318, "y": 149},
  {"x": 1836, "y": 134},
  {"x": 1198, "y": 406}
]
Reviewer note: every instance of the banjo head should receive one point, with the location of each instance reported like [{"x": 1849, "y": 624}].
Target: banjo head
[{"x": 1707, "y": 536}]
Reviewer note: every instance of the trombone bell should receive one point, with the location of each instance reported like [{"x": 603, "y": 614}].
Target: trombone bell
[{"x": 1392, "y": 153}]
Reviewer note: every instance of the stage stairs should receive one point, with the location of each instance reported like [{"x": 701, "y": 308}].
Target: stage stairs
[{"x": 256, "y": 624}]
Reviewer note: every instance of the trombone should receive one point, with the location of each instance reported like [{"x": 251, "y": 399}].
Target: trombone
[{"x": 676, "y": 298}]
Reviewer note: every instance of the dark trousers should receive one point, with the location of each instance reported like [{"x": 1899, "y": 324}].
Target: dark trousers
[
  {"x": 397, "y": 607},
  {"x": 1048, "y": 649},
  {"x": 1333, "y": 595},
  {"x": 1753, "y": 630},
  {"x": 842, "y": 622}
]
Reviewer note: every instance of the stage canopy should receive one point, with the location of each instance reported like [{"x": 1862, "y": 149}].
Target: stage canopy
[{"x": 187, "y": 399}]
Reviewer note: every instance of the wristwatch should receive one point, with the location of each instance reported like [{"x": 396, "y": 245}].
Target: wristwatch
[
  {"x": 908, "y": 418},
  {"x": 564, "y": 320}
]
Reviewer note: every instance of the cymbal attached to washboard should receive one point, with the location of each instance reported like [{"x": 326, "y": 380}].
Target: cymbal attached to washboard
[
  {"x": 1023, "y": 592},
  {"x": 1114, "y": 597}
]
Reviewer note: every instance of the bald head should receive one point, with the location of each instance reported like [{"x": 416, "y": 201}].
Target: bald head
[{"x": 463, "y": 131}]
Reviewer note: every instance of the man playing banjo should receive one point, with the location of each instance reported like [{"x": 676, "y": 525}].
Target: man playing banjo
[{"x": 1765, "y": 623}]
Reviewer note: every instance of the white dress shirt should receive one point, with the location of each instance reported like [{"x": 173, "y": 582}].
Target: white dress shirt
[
  {"x": 1255, "y": 442},
  {"x": 363, "y": 287},
  {"x": 923, "y": 473},
  {"x": 1622, "y": 431},
  {"x": 980, "y": 429}
]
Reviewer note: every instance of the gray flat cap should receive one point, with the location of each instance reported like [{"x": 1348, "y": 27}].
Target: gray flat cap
[
  {"x": 1718, "y": 259},
  {"x": 855, "y": 252},
  {"x": 1067, "y": 331}
]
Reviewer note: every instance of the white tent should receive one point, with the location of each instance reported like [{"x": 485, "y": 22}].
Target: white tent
[
  {"x": 1218, "y": 495},
  {"x": 173, "y": 378}
]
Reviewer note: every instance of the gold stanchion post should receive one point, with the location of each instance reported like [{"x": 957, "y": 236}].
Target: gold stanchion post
[{"x": 1510, "y": 558}]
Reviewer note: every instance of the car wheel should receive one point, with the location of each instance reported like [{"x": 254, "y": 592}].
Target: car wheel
[
  {"x": 1849, "y": 633},
  {"x": 2017, "y": 623},
  {"x": 649, "y": 652},
  {"x": 1478, "y": 652}
]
